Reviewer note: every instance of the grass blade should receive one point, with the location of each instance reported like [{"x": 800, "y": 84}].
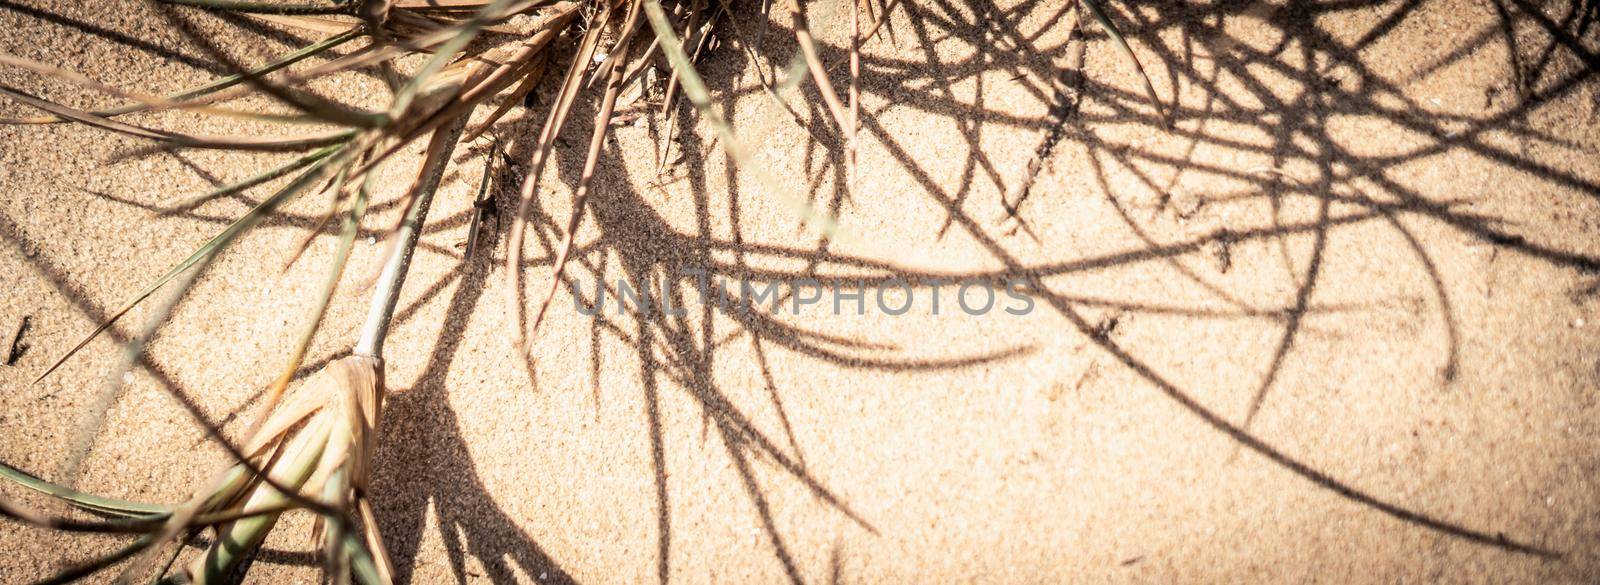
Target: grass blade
[
  {"x": 1127, "y": 51},
  {"x": 80, "y": 500},
  {"x": 580, "y": 197},
  {"x": 251, "y": 181},
  {"x": 695, "y": 89},
  {"x": 204, "y": 253}
]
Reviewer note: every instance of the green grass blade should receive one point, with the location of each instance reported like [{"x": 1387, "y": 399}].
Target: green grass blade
[
  {"x": 362, "y": 566},
  {"x": 89, "y": 502},
  {"x": 235, "y": 539}
]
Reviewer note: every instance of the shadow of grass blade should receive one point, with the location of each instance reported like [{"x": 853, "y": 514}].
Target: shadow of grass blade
[
  {"x": 580, "y": 198},
  {"x": 79, "y": 572},
  {"x": 205, "y": 252},
  {"x": 695, "y": 89},
  {"x": 251, "y": 181},
  {"x": 571, "y": 83},
  {"x": 247, "y": 7}
]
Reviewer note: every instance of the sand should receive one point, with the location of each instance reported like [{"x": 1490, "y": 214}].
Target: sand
[{"x": 1336, "y": 324}]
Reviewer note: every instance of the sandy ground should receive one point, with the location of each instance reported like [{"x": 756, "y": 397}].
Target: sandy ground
[{"x": 1335, "y": 325}]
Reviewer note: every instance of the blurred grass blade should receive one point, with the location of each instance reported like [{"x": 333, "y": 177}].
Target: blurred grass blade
[
  {"x": 1127, "y": 51},
  {"x": 206, "y": 251},
  {"x": 178, "y": 99},
  {"x": 362, "y": 565}
]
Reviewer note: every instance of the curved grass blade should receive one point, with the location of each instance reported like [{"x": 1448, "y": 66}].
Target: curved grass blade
[
  {"x": 362, "y": 565},
  {"x": 129, "y": 525},
  {"x": 80, "y": 500},
  {"x": 382, "y": 568}
]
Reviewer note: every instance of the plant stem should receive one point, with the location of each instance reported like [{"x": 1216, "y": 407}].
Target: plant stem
[{"x": 386, "y": 293}]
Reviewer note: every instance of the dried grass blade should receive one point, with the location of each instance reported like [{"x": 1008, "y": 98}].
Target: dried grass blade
[
  {"x": 819, "y": 74},
  {"x": 466, "y": 32},
  {"x": 176, "y": 139},
  {"x": 547, "y": 136},
  {"x": 580, "y": 198},
  {"x": 236, "y": 538},
  {"x": 873, "y": 31}
]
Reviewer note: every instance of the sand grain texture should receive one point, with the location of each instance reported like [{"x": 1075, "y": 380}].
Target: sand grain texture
[{"x": 1368, "y": 244}]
